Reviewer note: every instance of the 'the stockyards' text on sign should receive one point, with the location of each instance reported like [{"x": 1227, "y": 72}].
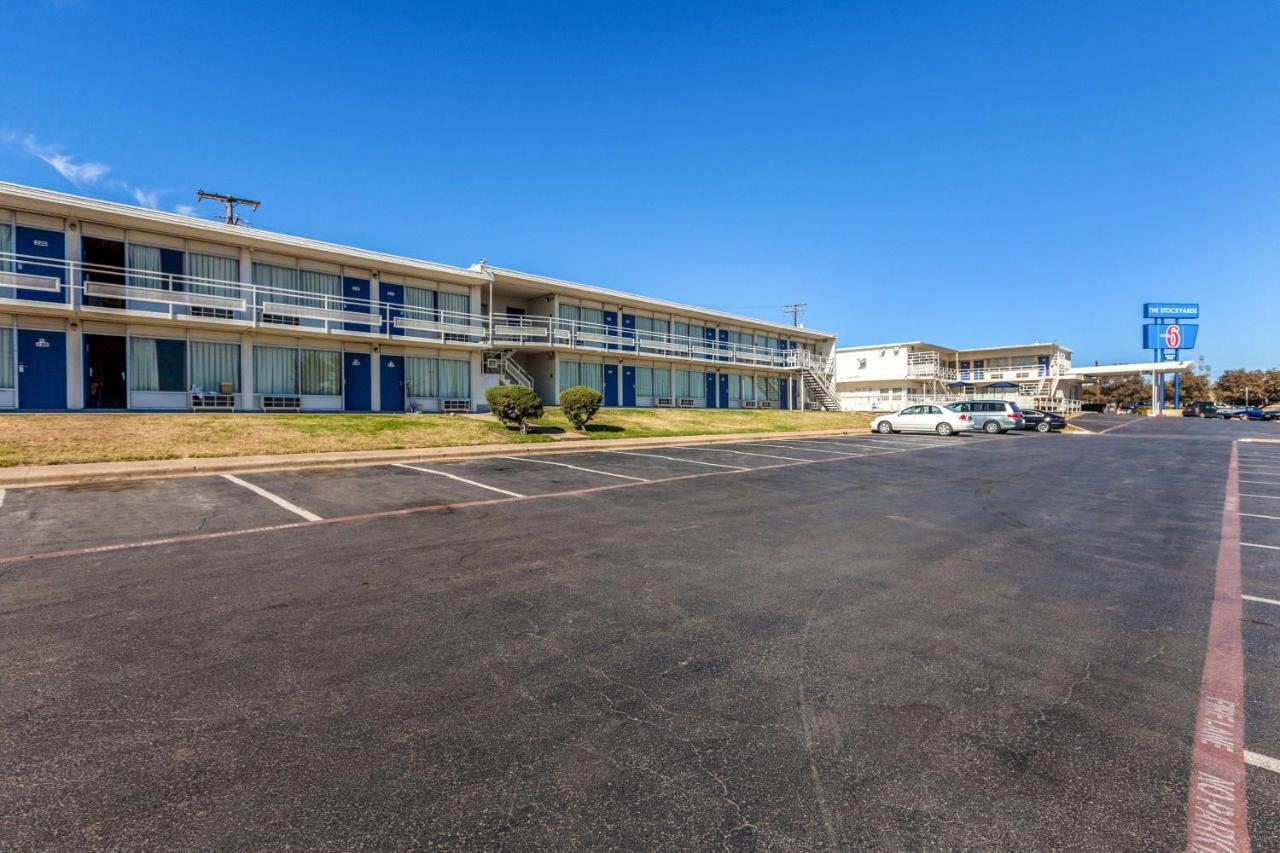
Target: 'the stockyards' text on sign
[{"x": 1178, "y": 310}]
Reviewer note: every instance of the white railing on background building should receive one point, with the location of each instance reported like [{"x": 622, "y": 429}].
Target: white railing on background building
[{"x": 245, "y": 303}]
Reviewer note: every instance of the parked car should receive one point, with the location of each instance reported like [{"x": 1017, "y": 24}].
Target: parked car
[
  {"x": 1201, "y": 410},
  {"x": 1247, "y": 413},
  {"x": 991, "y": 416},
  {"x": 926, "y": 417},
  {"x": 1042, "y": 421}
]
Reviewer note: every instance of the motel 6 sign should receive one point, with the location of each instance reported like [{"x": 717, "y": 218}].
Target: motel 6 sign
[{"x": 1168, "y": 332}]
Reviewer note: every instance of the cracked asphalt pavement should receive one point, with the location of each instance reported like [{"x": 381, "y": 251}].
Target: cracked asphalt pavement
[{"x": 994, "y": 644}]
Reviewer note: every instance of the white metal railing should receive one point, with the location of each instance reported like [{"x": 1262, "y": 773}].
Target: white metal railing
[{"x": 76, "y": 283}]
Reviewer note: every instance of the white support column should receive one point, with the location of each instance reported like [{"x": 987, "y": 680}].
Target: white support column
[
  {"x": 375, "y": 380},
  {"x": 478, "y": 402},
  {"x": 75, "y": 365},
  {"x": 246, "y": 373}
]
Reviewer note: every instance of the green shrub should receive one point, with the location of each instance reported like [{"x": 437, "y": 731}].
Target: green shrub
[
  {"x": 580, "y": 404},
  {"x": 514, "y": 405}
]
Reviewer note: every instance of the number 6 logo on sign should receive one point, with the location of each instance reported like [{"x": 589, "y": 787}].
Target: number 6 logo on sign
[{"x": 1173, "y": 336}]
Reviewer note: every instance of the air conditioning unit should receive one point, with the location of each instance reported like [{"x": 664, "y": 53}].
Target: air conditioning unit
[
  {"x": 766, "y": 404},
  {"x": 493, "y": 365},
  {"x": 685, "y": 403},
  {"x": 455, "y": 406},
  {"x": 662, "y": 401},
  {"x": 748, "y": 404},
  {"x": 279, "y": 403}
]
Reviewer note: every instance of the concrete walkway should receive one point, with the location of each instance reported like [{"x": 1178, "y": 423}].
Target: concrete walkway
[{"x": 101, "y": 472}]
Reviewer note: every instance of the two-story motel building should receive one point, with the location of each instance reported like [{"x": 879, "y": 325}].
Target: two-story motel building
[
  {"x": 113, "y": 307},
  {"x": 886, "y": 377}
]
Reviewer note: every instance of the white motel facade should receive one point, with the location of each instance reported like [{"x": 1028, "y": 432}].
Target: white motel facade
[{"x": 106, "y": 306}]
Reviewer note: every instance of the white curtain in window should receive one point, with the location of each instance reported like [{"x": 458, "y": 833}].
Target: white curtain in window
[
  {"x": 453, "y": 306},
  {"x": 214, "y": 363},
  {"x": 324, "y": 289},
  {"x": 661, "y": 382},
  {"x": 594, "y": 317},
  {"x": 773, "y": 389},
  {"x": 144, "y": 267},
  {"x": 214, "y": 274},
  {"x": 570, "y": 371},
  {"x": 283, "y": 282},
  {"x": 746, "y": 388},
  {"x": 423, "y": 303},
  {"x": 420, "y": 376},
  {"x": 6, "y": 247},
  {"x": 144, "y": 367},
  {"x": 275, "y": 370},
  {"x": 592, "y": 375},
  {"x": 644, "y": 381},
  {"x": 320, "y": 371},
  {"x": 8, "y": 369},
  {"x": 455, "y": 379},
  {"x": 568, "y": 312},
  {"x": 762, "y": 388}
]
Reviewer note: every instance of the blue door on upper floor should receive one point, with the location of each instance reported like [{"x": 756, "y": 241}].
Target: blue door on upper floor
[
  {"x": 629, "y": 387},
  {"x": 356, "y": 292},
  {"x": 628, "y": 332},
  {"x": 357, "y": 390},
  {"x": 611, "y": 385},
  {"x": 391, "y": 383},
  {"x": 42, "y": 369},
  {"x": 611, "y": 327},
  {"x": 32, "y": 244},
  {"x": 724, "y": 356},
  {"x": 393, "y": 295},
  {"x": 724, "y": 390},
  {"x": 712, "y": 396}
]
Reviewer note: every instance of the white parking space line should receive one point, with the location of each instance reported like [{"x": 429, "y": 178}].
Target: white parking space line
[
  {"x": 575, "y": 467},
  {"x": 1256, "y": 515},
  {"x": 1266, "y": 762},
  {"x": 874, "y": 445},
  {"x": 1260, "y": 600},
  {"x": 1, "y": 497},
  {"x": 1255, "y": 545},
  {"x": 676, "y": 459},
  {"x": 1263, "y": 482},
  {"x": 739, "y": 452},
  {"x": 274, "y": 498},
  {"x": 793, "y": 447},
  {"x": 1267, "y": 497},
  {"x": 1260, "y": 467},
  {"x": 459, "y": 479}
]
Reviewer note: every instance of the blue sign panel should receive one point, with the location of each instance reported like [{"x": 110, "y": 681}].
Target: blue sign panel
[
  {"x": 1171, "y": 310},
  {"x": 1174, "y": 336}
]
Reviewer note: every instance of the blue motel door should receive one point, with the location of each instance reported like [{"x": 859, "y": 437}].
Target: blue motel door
[
  {"x": 611, "y": 384},
  {"x": 724, "y": 390},
  {"x": 356, "y": 387},
  {"x": 711, "y": 390},
  {"x": 391, "y": 384},
  {"x": 42, "y": 369},
  {"x": 629, "y": 387}
]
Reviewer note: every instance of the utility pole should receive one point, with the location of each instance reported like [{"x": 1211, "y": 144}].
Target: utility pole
[
  {"x": 230, "y": 201},
  {"x": 795, "y": 309}
]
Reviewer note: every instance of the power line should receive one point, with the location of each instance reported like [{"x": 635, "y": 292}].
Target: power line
[
  {"x": 795, "y": 309},
  {"x": 230, "y": 201}
]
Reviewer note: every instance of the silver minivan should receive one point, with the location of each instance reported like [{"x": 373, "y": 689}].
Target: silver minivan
[{"x": 991, "y": 416}]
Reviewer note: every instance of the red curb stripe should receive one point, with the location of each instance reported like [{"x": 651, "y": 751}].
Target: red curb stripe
[
  {"x": 1216, "y": 802},
  {"x": 414, "y": 510}
]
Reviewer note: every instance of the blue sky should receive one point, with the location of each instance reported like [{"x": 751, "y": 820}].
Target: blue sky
[{"x": 963, "y": 173}]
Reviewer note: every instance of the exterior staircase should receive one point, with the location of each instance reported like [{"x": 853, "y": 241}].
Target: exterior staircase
[
  {"x": 819, "y": 378},
  {"x": 508, "y": 369}
]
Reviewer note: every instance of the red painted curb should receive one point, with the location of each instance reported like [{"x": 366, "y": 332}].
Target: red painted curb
[{"x": 1216, "y": 802}]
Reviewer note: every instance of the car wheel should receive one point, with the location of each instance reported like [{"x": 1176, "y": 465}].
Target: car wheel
[
  {"x": 1043, "y": 426},
  {"x": 1201, "y": 414},
  {"x": 885, "y": 428},
  {"x": 991, "y": 427},
  {"x": 944, "y": 428}
]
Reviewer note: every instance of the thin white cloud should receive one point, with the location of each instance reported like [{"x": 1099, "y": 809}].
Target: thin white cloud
[
  {"x": 147, "y": 198},
  {"x": 185, "y": 209},
  {"x": 81, "y": 173}
]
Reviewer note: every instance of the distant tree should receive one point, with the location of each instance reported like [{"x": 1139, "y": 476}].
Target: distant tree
[
  {"x": 1120, "y": 389},
  {"x": 1194, "y": 388},
  {"x": 1235, "y": 386}
]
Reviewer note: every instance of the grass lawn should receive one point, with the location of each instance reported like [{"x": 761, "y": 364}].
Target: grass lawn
[{"x": 70, "y": 438}]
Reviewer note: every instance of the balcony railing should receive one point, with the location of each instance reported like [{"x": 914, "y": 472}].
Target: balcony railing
[{"x": 76, "y": 284}]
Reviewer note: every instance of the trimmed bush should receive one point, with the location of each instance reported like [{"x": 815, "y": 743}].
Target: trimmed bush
[
  {"x": 580, "y": 404},
  {"x": 514, "y": 405}
]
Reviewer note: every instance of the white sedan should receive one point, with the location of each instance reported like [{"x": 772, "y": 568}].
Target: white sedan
[{"x": 927, "y": 417}]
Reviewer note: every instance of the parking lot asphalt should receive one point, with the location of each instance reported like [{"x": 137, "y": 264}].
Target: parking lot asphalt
[{"x": 879, "y": 642}]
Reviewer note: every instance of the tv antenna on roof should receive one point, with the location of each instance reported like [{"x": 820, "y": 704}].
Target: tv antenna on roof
[{"x": 230, "y": 201}]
